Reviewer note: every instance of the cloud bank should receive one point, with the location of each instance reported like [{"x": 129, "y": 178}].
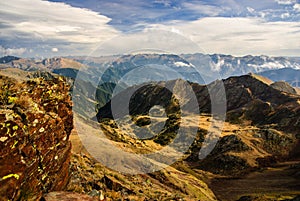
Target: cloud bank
[
  {"x": 242, "y": 36},
  {"x": 44, "y": 25},
  {"x": 38, "y": 28}
]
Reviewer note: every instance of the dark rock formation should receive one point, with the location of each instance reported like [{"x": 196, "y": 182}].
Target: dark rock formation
[
  {"x": 283, "y": 86},
  {"x": 35, "y": 123},
  {"x": 250, "y": 100}
]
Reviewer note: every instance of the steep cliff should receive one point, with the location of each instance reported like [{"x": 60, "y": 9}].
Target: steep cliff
[{"x": 35, "y": 123}]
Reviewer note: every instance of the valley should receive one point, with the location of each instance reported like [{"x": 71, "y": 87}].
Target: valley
[{"x": 279, "y": 182}]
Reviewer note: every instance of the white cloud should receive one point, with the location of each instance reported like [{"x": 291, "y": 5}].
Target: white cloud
[
  {"x": 284, "y": 15},
  {"x": 152, "y": 39},
  {"x": 163, "y": 2},
  {"x": 49, "y": 22},
  {"x": 12, "y": 51},
  {"x": 54, "y": 49},
  {"x": 208, "y": 10},
  {"x": 285, "y": 2},
  {"x": 250, "y": 10},
  {"x": 297, "y": 7},
  {"x": 59, "y": 28},
  {"x": 242, "y": 36}
]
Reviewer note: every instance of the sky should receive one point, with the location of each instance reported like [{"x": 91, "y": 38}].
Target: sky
[{"x": 39, "y": 28}]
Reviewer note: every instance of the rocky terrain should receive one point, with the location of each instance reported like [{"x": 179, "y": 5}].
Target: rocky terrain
[
  {"x": 256, "y": 156},
  {"x": 35, "y": 151},
  {"x": 261, "y": 129},
  {"x": 251, "y": 101}
]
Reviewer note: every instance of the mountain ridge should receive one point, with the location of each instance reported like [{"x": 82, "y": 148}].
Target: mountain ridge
[{"x": 205, "y": 64}]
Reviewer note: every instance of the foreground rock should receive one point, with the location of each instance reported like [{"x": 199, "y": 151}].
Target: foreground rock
[
  {"x": 68, "y": 196},
  {"x": 35, "y": 124}
]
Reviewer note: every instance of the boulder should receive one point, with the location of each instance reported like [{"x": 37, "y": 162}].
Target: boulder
[{"x": 35, "y": 123}]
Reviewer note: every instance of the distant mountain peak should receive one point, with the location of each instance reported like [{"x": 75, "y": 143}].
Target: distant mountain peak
[{"x": 7, "y": 59}]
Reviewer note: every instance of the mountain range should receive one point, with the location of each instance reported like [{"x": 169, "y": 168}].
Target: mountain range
[
  {"x": 114, "y": 73},
  {"x": 187, "y": 66},
  {"x": 256, "y": 155}
]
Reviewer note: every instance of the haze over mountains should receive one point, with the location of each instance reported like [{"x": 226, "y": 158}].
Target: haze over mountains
[
  {"x": 289, "y": 75},
  {"x": 187, "y": 66}
]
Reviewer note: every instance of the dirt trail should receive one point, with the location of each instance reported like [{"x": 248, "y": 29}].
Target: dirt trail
[{"x": 283, "y": 179}]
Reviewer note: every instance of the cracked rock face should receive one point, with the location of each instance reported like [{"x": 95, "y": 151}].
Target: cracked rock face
[{"x": 35, "y": 123}]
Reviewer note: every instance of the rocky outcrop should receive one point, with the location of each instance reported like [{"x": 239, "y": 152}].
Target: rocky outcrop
[
  {"x": 254, "y": 89},
  {"x": 35, "y": 123},
  {"x": 247, "y": 149},
  {"x": 250, "y": 97},
  {"x": 251, "y": 100},
  {"x": 283, "y": 86},
  {"x": 142, "y": 100}
]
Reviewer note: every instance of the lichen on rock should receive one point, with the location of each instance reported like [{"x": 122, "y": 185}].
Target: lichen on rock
[{"x": 34, "y": 129}]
